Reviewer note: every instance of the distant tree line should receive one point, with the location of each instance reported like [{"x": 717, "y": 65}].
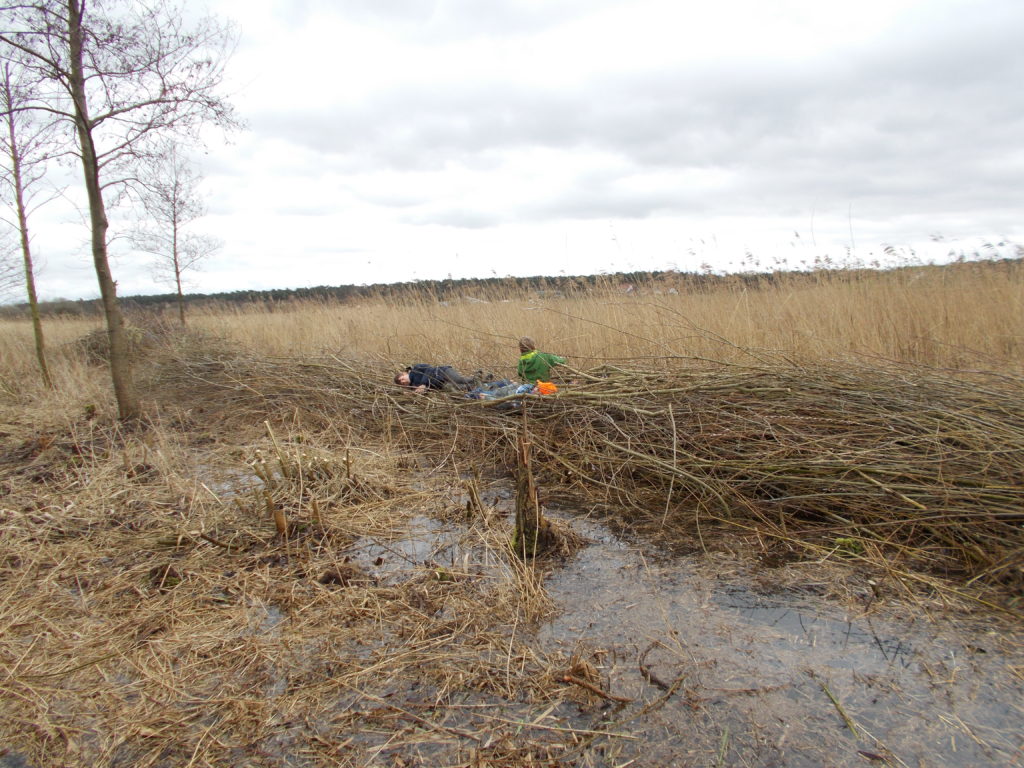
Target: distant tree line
[
  {"x": 486, "y": 289},
  {"x": 449, "y": 289}
]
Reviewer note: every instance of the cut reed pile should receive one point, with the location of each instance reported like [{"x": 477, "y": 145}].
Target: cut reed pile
[{"x": 915, "y": 471}]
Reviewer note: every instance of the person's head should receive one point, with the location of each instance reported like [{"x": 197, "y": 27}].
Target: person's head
[
  {"x": 526, "y": 345},
  {"x": 402, "y": 378}
]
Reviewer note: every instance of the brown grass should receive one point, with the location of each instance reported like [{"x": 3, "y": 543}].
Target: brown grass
[
  {"x": 154, "y": 616},
  {"x": 960, "y": 316},
  {"x": 255, "y": 577},
  {"x": 913, "y": 469},
  {"x": 967, "y": 315}
]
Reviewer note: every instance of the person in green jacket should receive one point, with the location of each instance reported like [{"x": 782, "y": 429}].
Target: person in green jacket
[{"x": 535, "y": 365}]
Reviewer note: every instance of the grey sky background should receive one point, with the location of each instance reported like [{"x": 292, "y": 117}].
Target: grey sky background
[{"x": 394, "y": 140}]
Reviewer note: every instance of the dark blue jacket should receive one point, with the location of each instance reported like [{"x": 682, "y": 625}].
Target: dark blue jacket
[{"x": 430, "y": 376}]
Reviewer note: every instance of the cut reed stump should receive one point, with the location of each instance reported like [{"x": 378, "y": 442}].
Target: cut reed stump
[{"x": 534, "y": 534}]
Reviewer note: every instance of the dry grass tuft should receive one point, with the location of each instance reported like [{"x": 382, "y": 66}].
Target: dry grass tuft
[{"x": 152, "y": 616}]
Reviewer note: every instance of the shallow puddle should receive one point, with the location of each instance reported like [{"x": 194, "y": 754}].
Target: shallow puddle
[
  {"x": 722, "y": 670},
  {"x": 424, "y": 542},
  {"x": 784, "y": 678},
  {"x": 793, "y": 625}
]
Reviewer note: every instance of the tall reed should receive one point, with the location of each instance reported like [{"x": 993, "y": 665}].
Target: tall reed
[
  {"x": 964, "y": 315},
  {"x": 959, "y": 316}
]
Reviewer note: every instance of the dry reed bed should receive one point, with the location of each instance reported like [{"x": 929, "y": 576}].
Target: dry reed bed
[
  {"x": 150, "y": 619},
  {"x": 152, "y": 615},
  {"x": 961, "y": 315},
  {"x": 917, "y": 471}
]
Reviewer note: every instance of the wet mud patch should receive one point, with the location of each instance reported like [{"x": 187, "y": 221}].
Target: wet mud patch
[
  {"x": 425, "y": 541},
  {"x": 787, "y": 677},
  {"x": 661, "y": 659}
]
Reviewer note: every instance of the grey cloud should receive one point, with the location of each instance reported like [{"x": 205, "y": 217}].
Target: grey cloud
[
  {"x": 598, "y": 203},
  {"x": 222, "y": 165},
  {"x": 305, "y": 208},
  {"x": 438, "y": 22},
  {"x": 925, "y": 112},
  {"x": 455, "y": 217},
  {"x": 443, "y": 21}
]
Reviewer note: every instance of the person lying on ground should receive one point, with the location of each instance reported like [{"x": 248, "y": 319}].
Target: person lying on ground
[
  {"x": 535, "y": 365},
  {"x": 483, "y": 389},
  {"x": 509, "y": 388},
  {"x": 422, "y": 377}
]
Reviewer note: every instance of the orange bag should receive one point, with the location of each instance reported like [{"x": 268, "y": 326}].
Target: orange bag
[{"x": 546, "y": 388}]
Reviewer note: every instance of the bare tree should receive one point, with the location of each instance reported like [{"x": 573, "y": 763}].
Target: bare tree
[
  {"x": 169, "y": 188},
  {"x": 27, "y": 143},
  {"x": 124, "y": 73},
  {"x": 10, "y": 271}
]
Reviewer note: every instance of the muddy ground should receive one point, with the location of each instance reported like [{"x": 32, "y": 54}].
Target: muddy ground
[
  {"x": 153, "y": 616},
  {"x": 748, "y": 664}
]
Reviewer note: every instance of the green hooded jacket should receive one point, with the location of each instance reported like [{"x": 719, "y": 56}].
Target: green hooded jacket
[{"x": 536, "y": 365}]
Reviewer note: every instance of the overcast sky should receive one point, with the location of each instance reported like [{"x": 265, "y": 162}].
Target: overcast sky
[{"x": 393, "y": 140}]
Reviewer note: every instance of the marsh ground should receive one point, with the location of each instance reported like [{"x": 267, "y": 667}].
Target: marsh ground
[
  {"x": 154, "y": 616},
  {"x": 798, "y": 506}
]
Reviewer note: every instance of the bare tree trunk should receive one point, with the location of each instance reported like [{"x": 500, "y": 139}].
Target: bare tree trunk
[
  {"x": 33, "y": 302},
  {"x": 181, "y": 306},
  {"x": 120, "y": 362},
  {"x": 177, "y": 284},
  {"x": 533, "y": 534},
  {"x": 169, "y": 193},
  {"x": 26, "y": 252}
]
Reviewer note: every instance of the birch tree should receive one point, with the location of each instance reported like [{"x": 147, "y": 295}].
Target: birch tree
[
  {"x": 10, "y": 274},
  {"x": 124, "y": 74},
  {"x": 169, "y": 189},
  {"x": 27, "y": 145}
]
